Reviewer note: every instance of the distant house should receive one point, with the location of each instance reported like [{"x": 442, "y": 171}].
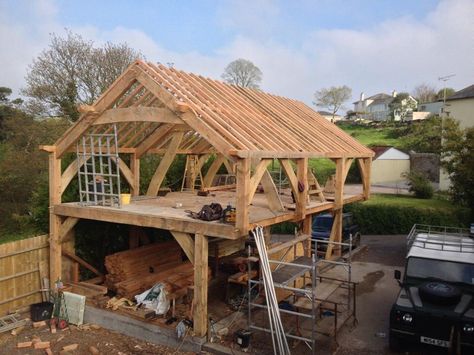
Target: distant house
[
  {"x": 329, "y": 116},
  {"x": 388, "y": 165},
  {"x": 377, "y": 107},
  {"x": 431, "y": 107},
  {"x": 460, "y": 106}
]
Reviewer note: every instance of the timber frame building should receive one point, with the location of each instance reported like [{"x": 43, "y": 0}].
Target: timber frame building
[{"x": 164, "y": 111}]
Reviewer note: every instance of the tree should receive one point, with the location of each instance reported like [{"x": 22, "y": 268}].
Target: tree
[
  {"x": 449, "y": 92},
  {"x": 72, "y": 71},
  {"x": 401, "y": 105},
  {"x": 332, "y": 98},
  {"x": 458, "y": 160},
  {"x": 422, "y": 136},
  {"x": 4, "y": 94},
  {"x": 243, "y": 73},
  {"x": 424, "y": 93}
]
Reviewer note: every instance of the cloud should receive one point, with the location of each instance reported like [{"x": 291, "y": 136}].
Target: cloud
[{"x": 396, "y": 54}]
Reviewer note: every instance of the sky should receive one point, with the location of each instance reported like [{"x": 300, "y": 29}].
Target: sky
[{"x": 300, "y": 46}]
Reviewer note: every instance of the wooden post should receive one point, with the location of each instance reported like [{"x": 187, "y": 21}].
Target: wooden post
[
  {"x": 135, "y": 168},
  {"x": 243, "y": 195},
  {"x": 54, "y": 220},
  {"x": 364, "y": 168},
  {"x": 336, "y": 231},
  {"x": 201, "y": 252},
  {"x": 307, "y": 229},
  {"x": 302, "y": 176}
]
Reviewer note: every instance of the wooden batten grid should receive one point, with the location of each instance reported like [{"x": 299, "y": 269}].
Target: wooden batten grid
[{"x": 161, "y": 110}]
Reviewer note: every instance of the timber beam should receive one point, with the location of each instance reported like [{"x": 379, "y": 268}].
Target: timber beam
[
  {"x": 242, "y": 196},
  {"x": 164, "y": 165},
  {"x": 138, "y": 114},
  {"x": 186, "y": 242},
  {"x": 201, "y": 252}
]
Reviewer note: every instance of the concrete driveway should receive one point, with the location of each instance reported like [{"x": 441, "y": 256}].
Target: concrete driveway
[{"x": 377, "y": 290}]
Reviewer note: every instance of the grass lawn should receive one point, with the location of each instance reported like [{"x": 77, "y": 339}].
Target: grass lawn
[
  {"x": 372, "y": 135},
  {"x": 6, "y": 237},
  {"x": 409, "y": 201}
]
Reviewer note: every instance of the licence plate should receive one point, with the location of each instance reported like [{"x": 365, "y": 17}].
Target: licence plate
[{"x": 436, "y": 342}]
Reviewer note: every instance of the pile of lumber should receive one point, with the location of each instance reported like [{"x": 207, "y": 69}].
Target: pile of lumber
[
  {"x": 174, "y": 278},
  {"x": 136, "y": 270},
  {"x": 139, "y": 263}
]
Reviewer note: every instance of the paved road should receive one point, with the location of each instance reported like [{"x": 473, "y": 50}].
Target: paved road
[{"x": 377, "y": 290}]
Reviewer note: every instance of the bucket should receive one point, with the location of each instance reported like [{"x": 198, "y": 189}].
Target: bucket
[
  {"x": 125, "y": 198},
  {"x": 41, "y": 311},
  {"x": 243, "y": 338}
]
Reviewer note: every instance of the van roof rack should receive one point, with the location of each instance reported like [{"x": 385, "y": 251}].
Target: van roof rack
[{"x": 441, "y": 238}]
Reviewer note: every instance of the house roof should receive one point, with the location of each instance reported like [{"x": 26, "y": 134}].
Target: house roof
[
  {"x": 389, "y": 153},
  {"x": 213, "y": 115},
  {"x": 380, "y": 96},
  {"x": 379, "y": 150},
  {"x": 326, "y": 113},
  {"x": 465, "y": 93},
  {"x": 377, "y": 97}
]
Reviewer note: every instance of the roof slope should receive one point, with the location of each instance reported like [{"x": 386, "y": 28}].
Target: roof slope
[
  {"x": 214, "y": 115},
  {"x": 252, "y": 120},
  {"x": 465, "y": 93}
]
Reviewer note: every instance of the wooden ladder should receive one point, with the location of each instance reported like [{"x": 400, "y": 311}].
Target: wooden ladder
[
  {"x": 192, "y": 178},
  {"x": 314, "y": 189},
  {"x": 10, "y": 322}
]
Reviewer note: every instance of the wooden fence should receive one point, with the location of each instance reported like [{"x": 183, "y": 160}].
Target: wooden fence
[{"x": 21, "y": 264}]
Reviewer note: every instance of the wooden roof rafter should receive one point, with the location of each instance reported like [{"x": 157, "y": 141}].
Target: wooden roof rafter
[{"x": 149, "y": 102}]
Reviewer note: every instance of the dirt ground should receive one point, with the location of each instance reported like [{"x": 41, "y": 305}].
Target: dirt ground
[
  {"x": 376, "y": 291},
  {"x": 105, "y": 341}
]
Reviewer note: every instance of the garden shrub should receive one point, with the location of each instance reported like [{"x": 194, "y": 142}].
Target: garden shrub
[
  {"x": 387, "y": 219},
  {"x": 419, "y": 185}
]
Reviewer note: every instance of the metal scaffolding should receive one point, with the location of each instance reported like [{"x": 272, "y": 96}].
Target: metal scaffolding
[
  {"x": 308, "y": 301},
  {"x": 98, "y": 169}
]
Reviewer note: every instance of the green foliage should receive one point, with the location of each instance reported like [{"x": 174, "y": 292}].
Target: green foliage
[
  {"x": 382, "y": 135},
  {"x": 284, "y": 228},
  {"x": 391, "y": 214},
  {"x": 322, "y": 169},
  {"x": 419, "y": 185},
  {"x": 401, "y": 105},
  {"x": 4, "y": 94},
  {"x": 423, "y": 136},
  {"x": 23, "y": 165},
  {"x": 449, "y": 92},
  {"x": 73, "y": 71},
  {"x": 458, "y": 160}
]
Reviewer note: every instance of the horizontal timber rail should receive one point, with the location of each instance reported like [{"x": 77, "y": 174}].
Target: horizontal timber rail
[{"x": 144, "y": 219}]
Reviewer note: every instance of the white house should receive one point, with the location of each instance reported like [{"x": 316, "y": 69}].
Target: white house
[
  {"x": 329, "y": 116},
  {"x": 377, "y": 107}
]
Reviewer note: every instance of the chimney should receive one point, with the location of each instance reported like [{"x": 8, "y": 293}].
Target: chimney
[
  {"x": 362, "y": 96},
  {"x": 394, "y": 93}
]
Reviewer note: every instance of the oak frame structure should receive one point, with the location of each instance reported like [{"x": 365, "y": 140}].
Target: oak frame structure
[{"x": 161, "y": 110}]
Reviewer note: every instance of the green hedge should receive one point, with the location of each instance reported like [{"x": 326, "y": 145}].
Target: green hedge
[
  {"x": 396, "y": 214},
  {"x": 387, "y": 219}
]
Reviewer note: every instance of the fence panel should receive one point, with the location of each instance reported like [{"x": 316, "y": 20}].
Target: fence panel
[{"x": 21, "y": 264}]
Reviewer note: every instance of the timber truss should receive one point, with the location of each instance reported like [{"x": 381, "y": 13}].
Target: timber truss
[{"x": 164, "y": 111}]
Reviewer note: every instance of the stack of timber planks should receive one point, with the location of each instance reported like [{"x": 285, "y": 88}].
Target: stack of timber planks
[
  {"x": 135, "y": 264},
  {"x": 133, "y": 271}
]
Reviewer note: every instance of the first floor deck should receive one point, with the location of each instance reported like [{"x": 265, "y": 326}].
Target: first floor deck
[{"x": 170, "y": 212}]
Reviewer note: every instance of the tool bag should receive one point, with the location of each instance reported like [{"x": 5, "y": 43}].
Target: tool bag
[{"x": 210, "y": 212}]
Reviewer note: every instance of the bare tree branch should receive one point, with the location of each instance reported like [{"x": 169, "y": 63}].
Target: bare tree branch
[{"x": 243, "y": 73}]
